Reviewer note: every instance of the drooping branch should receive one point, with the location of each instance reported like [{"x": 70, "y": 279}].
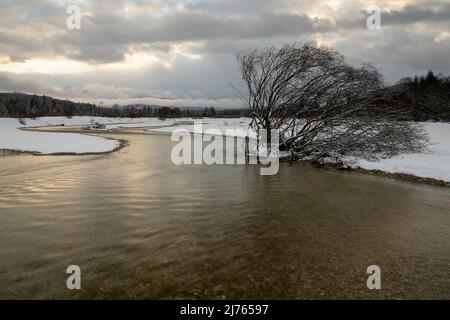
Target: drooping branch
[{"x": 321, "y": 105}]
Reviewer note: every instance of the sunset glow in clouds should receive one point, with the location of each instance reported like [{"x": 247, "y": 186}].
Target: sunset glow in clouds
[{"x": 183, "y": 52}]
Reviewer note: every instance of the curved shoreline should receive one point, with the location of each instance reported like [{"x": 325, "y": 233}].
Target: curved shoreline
[
  {"x": 379, "y": 173},
  {"x": 405, "y": 177},
  {"x": 144, "y": 130},
  {"x": 122, "y": 144}
]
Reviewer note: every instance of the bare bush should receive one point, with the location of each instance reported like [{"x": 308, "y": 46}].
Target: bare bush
[{"x": 323, "y": 106}]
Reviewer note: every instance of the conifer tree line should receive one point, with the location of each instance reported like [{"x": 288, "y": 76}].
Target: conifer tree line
[
  {"x": 21, "y": 105},
  {"x": 425, "y": 97},
  {"x": 422, "y": 97}
]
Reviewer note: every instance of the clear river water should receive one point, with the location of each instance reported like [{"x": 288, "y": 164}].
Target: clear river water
[{"x": 140, "y": 227}]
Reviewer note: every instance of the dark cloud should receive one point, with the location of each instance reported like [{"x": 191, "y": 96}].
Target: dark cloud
[
  {"x": 410, "y": 14},
  {"x": 107, "y": 38},
  {"x": 414, "y": 14},
  {"x": 413, "y": 38}
]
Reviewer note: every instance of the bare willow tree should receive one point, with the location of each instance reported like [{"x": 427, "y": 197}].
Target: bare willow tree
[{"x": 323, "y": 106}]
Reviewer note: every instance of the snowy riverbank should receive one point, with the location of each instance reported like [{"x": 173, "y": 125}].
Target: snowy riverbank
[
  {"x": 14, "y": 139},
  {"x": 434, "y": 164}
]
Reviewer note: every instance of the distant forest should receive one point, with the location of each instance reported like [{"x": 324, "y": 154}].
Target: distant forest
[
  {"x": 20, "y": 105},
  {"x": 423, "y": 98}
]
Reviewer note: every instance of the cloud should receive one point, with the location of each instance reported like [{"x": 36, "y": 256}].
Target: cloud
[
  {"x": 184, "y": 50},
  {"x": 10, "y": 83}
]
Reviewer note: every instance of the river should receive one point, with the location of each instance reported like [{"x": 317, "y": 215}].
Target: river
[{"x": 140, "y": 227}]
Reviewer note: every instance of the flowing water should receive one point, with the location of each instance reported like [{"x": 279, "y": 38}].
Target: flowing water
[{"x": 140, "y": 227}]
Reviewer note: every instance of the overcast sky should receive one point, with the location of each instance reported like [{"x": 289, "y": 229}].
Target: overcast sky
[{"x": 183, "y": 52}]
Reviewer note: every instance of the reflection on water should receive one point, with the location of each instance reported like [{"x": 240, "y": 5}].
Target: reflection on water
[{"x": 140, "y": 227}]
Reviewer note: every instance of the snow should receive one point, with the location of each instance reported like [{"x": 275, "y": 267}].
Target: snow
[
  {"x": 235, "y": 126},
  {"x": 143, "y": 123},
  {"x": 109, "y": 122},
  {"x": 11, "y": 138},
  {"x": 433, "y": 164}
]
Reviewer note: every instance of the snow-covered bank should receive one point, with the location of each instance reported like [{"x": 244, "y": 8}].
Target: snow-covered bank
[
  {"x": 12, "y": 138},
  {"x": 110, "y": 123},
  {"x": 240, "y": 126},
  {"x": 434, "y": 164}
]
